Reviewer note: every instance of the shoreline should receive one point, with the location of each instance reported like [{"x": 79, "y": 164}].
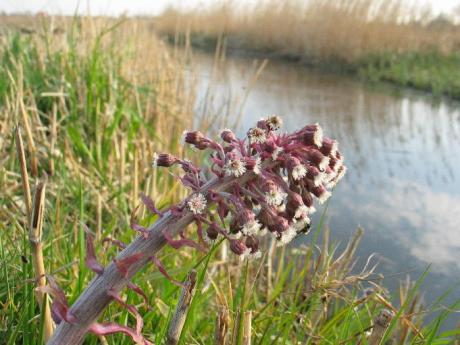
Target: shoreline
[{"x": 406, "y": 71}]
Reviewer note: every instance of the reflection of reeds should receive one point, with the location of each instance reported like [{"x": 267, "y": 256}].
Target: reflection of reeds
[{"x": 321, "y": 29}]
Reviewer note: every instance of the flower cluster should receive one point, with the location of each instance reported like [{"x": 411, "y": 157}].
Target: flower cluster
[
  {"x": 263, "y": 184},
  {"x": 274, "y": 180}
]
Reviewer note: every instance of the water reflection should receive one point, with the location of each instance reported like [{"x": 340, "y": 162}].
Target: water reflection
[{"x": 402, "y": 151}]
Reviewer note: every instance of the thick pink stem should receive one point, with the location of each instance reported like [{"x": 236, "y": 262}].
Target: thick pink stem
[{"x": 96, "y": 298}]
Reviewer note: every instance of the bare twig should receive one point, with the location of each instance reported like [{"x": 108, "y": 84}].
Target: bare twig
[
  {"x": 178, "y": 320},
  {"x": 247, "y": 320},
  {"x": 24, "y": 174},
  {"x": 30, "y": 138},
  {"x": 222, "y": 324},
  {"x": 35, "y": 239}
]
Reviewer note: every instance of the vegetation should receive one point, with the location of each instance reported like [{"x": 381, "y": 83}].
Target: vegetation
[
  {"x": 94, "y": 100},
  {"x": 376, "y": 40}
]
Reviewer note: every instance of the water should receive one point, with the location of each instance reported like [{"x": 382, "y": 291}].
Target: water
[{"x": 403, "y": 157}]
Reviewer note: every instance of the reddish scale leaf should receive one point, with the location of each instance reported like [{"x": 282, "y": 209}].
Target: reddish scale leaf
[
  {"x": 59, "y": 307},
  {"x": 115, "y": 242},
  {"x": 140, "y": 228},
  {"x": 102, "y": 329},
  {"x": 131, "y": 308},
  {"x": 123, "y": 265},
  {"x": 140, "y": 292},
  {"x": 176, "y": 244},
  {"x": 150, "y": 204},
  {"x": 90, "y": 259},
  {"x": 163, "y": 271},
  {"x": 137, "y": 227}
]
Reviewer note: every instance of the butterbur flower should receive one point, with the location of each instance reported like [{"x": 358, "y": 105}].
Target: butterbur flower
[
  {"x": 252, "y": 227},
  {"x": 234, "y": 166},
  {"x": 257, "y": 135},
  {"x": 197, "y": 203},
  {"x": 297, "y": 169},
  {"x": 274, "y": 196},
  {"x": 274, "y": 122},
  {"x": 287, "y": 236}
]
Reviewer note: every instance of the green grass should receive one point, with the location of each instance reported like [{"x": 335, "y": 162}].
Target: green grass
[
  {"x": 104, "y": 119},
  {"x": 430, "y": 71}
]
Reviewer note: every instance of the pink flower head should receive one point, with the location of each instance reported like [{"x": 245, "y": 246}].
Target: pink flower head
[{"x": 271, "y": 180}]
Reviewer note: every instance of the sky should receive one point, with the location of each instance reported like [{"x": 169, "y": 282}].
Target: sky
[{"x": 144, "y": 7}]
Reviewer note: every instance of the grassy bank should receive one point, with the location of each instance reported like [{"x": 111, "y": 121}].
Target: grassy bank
[
  {"x": 95, "y": 99},
  {"x": 377, "y": 41}
]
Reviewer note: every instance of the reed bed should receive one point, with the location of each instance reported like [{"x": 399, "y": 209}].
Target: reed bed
[
  {"x": 93, "y": 99},
  {"x": 377, "y": 40}
]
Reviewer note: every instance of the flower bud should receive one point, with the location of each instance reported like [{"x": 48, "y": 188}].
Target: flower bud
[
  {"x": 294, "y": 201},
  {"x": 297, "y": 169},
  {"x": 267, "y": 216},
  {"x": 212, "y": 231},
  {"x": 313, "y": 135},
  {"x": 318, "y": 159},
  {"x": 307, "y": 198},
  {"x": 237, "y": 247},
  {"x": 252, "y": 243},
  {"x": 279, "y": 225},
  {"x": 328, "y": 147},
  {"x": 234, "y": 166},
  {"x": 314, "y": 175},
  {"x": 253, "y": 164},
  {"x": 164, "y": 160},
  {"x": 227, "y": 135},
  {"x": 321, "y": 193}
]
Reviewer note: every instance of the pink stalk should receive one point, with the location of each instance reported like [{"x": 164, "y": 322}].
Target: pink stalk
[
  {"x": 277, "y": 174},
  {"x": 97, "y": 296}
]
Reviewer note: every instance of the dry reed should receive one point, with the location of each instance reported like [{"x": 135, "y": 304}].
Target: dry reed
[{"x": 318, "y": 29}]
